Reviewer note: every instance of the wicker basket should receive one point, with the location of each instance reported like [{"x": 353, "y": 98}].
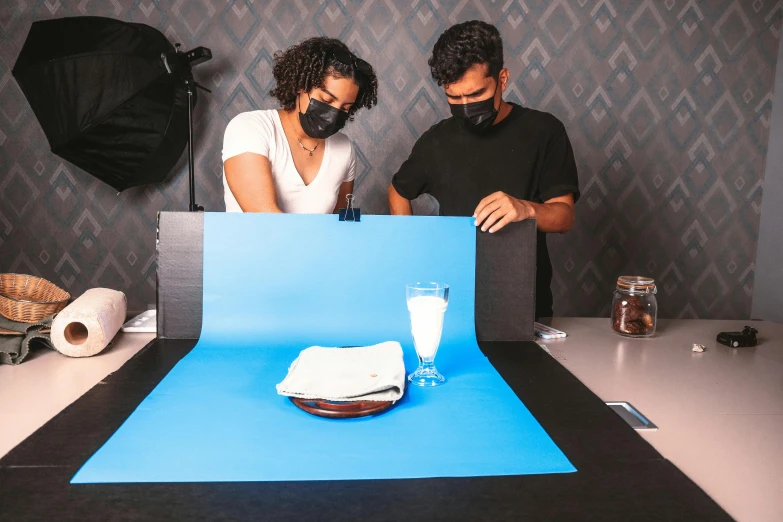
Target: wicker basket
[{"x": 29, "y": 299}]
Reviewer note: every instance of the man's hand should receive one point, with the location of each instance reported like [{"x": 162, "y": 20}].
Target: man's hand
[{"x": 499, "y": 209}]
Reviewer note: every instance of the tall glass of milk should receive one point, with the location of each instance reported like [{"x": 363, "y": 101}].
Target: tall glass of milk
[{"x": 427, "y": 303}]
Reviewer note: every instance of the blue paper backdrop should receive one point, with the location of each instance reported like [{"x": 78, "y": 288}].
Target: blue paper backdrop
[{"x": 275, "y": 284}]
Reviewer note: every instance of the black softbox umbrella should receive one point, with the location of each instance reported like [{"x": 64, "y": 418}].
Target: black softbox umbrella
[{"x": 111, "y": 96}]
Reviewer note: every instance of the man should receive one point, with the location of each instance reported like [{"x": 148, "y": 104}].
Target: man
[{"x": 496, "y": 161}]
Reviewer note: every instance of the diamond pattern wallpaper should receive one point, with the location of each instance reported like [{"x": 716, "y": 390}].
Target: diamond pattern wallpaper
[{"x": 667, "y": 104}]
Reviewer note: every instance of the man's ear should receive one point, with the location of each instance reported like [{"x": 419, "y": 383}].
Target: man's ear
[{"x": 503, "y": 79}]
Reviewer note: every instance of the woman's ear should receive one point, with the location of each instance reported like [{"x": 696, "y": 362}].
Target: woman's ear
[{"x": 299, "y": 101}]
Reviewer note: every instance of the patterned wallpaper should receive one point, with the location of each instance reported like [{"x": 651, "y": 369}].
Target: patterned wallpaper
[{"x": 667, "y": 104}]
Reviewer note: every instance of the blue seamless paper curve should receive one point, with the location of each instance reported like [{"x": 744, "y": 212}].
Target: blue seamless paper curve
[{"x": 275, "y": 284}]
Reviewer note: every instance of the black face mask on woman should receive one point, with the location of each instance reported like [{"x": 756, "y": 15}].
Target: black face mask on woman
[
  {"x": 321, "y": 120},
  {"x": 478, "y": 116}
]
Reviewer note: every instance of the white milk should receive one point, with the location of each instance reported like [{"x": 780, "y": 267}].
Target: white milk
[{"x": 426, "y": 324}]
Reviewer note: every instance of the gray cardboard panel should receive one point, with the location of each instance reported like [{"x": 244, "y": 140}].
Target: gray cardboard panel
[
  {"x": 506, "y": 283},
  {"x": 180, "y": 249}
]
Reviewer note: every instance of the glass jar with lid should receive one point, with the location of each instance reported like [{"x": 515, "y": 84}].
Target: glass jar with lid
[{"x": 634, "y": 307}]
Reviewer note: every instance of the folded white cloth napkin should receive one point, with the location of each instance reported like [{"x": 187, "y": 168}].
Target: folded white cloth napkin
[{"x": 368, "y": 373}]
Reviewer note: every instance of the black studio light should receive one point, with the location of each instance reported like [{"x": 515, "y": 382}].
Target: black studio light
[{"x": 114, "y": 98}]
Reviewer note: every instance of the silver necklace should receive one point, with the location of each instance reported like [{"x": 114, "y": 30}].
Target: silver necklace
[{"x": 305, "y": 148}]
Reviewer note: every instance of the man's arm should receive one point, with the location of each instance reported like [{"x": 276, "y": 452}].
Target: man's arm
[
  {"x": 499, "y": 209},
  {"x": 398, "y": 205},
  {"x": 412, "y": 179}
]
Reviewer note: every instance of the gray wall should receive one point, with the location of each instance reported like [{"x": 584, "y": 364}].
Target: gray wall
[
  {"x": 768, "y": 289},
  {"x": 667, "y": 104}
]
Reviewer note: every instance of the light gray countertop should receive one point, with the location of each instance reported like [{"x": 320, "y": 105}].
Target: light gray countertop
[
  {"x": 47, "y": 381},
  {"x": 719, "y": 413}
]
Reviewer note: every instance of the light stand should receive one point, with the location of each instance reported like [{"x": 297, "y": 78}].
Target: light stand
[
  {"x": 193, "y": 207},
  {"x": 187, "y": 61}
]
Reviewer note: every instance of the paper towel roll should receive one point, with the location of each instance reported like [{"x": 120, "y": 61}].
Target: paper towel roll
[{"x": 87, "y": 325}]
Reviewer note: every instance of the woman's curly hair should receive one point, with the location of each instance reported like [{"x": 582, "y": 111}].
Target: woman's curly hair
[
  {"x": 464, "y": 45},
  {"x": 304, "y": 66}
]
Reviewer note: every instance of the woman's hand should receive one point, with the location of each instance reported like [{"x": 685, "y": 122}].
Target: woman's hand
[{"x": 345, "y": 188}]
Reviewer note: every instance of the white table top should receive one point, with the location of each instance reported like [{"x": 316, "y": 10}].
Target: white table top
[
  {"x": 47, "y": 381},
  {"x": 719, "y": 413}
]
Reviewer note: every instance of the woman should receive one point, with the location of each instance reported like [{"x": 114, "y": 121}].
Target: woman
[{"x": 293, "y": 159}]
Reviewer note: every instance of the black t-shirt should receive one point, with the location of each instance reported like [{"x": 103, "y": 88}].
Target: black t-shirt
[{"x": 527, "y": 155}]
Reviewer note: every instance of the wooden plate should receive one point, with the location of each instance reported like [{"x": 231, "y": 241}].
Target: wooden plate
[{"x": 341, "y": 410}]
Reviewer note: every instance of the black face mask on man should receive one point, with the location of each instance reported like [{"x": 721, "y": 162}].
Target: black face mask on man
[
  {"x": 321, "y": 120},
  {"x": 478, "y": 116}
]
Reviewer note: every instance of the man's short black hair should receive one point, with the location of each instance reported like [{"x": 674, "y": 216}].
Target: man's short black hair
[{"x": 464, "y": 45}]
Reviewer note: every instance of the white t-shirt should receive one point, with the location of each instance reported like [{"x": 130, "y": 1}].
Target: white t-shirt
[{"x": 261, "y": 132}]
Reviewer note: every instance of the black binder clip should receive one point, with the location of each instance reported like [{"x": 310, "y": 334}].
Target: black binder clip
[{"x": 351, "y": 213}]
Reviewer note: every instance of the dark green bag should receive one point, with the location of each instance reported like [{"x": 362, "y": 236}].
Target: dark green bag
[{"x": 15, "y": 346}]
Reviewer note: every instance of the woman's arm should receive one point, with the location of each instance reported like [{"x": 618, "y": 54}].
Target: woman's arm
[
  {"x": 249, "y": 176},
  {"x": 346, "y": 187}
]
